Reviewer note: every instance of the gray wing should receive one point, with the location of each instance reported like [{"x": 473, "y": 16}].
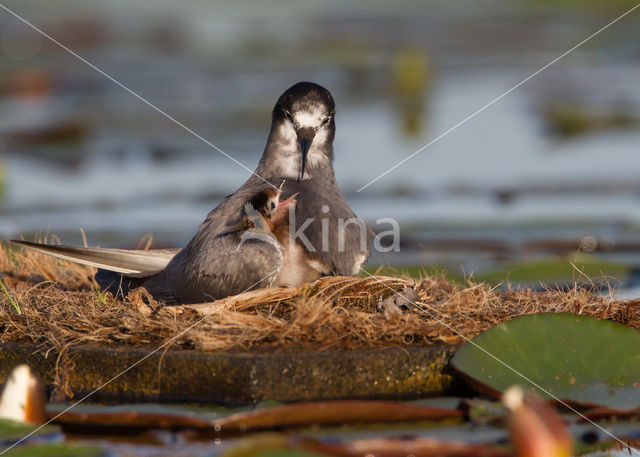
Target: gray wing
[
  {"x": 214, "y": 264},
  {"x": 225, "y": 267},
  {"x": 131, "y": 262},
  {"x": 227, "y": 216}
]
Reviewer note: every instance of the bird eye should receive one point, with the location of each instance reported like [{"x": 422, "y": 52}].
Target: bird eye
[
  {"x": 288, "y": 115},
  {"x": 326, "y": 120},
  {"x": 273, "y": 205}
]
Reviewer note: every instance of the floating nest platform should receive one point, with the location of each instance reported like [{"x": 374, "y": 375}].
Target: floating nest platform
[{"x": 274, "y": 332}]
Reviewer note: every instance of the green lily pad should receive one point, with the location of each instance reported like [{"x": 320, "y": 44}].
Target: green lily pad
[
  {"x": 577, "y": 359},
  {"x": 559, "y": 270},
  {"x": 55, "y": 449},
  {"x": 11, "y": 431},
  {"x": 553, "y": 269}
]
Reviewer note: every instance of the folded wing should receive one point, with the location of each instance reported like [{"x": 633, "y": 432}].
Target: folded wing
[{"x": 130, "y": 262}]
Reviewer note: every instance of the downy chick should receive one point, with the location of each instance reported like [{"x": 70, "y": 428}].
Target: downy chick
[{"x": 297, "y": 266}]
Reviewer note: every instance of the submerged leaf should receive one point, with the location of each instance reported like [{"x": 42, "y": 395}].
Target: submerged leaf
[
  {"x": 401, "y": 447},
  {"x": 574, "y": 358},
  {"x": 603, "y": 412}
]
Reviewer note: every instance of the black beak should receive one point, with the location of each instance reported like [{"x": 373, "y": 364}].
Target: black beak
[{"x": 305, "y": 138}]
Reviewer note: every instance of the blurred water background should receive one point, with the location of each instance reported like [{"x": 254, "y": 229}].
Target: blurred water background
[{"x": 550, "y": 170}]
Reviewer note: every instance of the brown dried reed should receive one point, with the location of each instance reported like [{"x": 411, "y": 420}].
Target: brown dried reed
[{"x": 62, "y": 307}]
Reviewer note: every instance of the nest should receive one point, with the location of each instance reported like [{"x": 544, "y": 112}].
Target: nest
[{"x": 61, "y": 306}]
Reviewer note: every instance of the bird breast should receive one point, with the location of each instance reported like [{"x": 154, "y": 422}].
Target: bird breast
[{"x": 296, "y": 267}]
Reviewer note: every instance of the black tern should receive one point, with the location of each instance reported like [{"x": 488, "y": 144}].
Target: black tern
[
  {"x": 325, "y": 237},
  {"x": 247, "y": 255},
  {"x": 299, "y": 151}
]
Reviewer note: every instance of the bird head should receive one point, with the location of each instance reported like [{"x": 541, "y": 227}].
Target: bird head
[
  {"x": 305, "y": 113},
  {"x": 265, "y": 210},
  {"x": 260, "y": 208}
]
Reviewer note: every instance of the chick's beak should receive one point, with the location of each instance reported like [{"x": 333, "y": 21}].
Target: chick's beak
[
  {"x": 280, "y": 217},
  {"x": 305, "y": 138},
  {"x": 289, "y": 200}
]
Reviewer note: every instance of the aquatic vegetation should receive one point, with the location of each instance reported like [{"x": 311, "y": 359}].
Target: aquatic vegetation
[
  {"x": 581, "y": 268},
  {"x": 585, "y": 268},
  {"x": 62, "y": 309},
  {"x": 579, "y": 359},
  {"x": 536, "y": 429},
  {"x": 10, "y": 298}
]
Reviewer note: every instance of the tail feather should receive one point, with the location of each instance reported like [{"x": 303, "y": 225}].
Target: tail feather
[{"x": 129, "y": 262}]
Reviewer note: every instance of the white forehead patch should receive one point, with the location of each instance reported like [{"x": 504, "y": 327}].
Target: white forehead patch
[{"x": 309, "y": 118}]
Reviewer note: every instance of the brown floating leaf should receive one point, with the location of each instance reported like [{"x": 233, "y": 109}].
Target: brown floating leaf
[
  {"x": 106, "y": 417},
  {"x": 333, "y": 413},
  {"x": 294, "y": 415}
]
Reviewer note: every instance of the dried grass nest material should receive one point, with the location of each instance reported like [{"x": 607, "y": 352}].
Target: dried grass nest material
[{"x": 61, "y": 307}]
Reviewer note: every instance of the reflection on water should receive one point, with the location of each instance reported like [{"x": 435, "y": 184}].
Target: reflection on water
[
  {"x": 411, "y": 82},
  {"x": 553, "y": 162}
]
